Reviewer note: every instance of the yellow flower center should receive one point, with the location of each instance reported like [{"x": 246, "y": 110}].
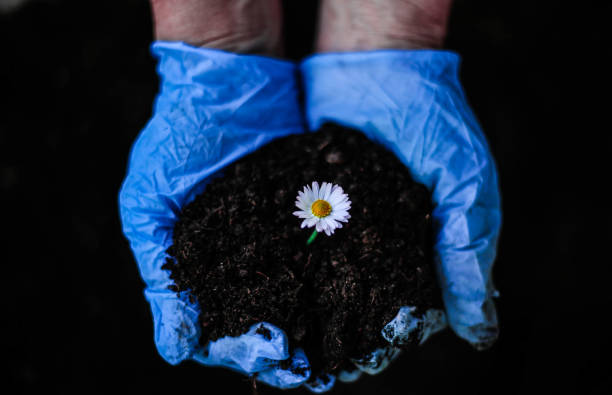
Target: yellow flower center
[{"x": 321, "y": 208}]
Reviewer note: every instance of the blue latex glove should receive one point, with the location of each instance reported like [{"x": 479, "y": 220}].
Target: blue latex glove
[
  {"x": 412, "y": 103},
  {"x": 213, "y": 108}
]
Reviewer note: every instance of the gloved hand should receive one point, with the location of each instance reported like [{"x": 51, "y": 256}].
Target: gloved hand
[
  {"x": 412, "y": 103},
  {"x": 213, "y": 108}
]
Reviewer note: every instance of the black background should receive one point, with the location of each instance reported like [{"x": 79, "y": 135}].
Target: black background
[{"x": 77, "y": 85}]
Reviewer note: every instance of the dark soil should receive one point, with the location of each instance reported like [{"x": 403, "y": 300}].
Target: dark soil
[{"x": 240, "y": 251}]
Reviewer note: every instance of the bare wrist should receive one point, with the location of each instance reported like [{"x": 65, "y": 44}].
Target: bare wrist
[
  {"x": 358, "y": 25},
  {"x": 242, "y": 26}
]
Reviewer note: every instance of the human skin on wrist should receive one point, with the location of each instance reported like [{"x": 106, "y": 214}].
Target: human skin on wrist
[
  {"x": 361, "y": 25},
  {"x": 241, "y": 26}
]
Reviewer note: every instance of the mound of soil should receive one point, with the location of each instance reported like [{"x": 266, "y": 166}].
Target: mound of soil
[{"x": 240, "y": 251}]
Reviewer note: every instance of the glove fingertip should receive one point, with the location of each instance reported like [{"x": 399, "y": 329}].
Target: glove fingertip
[
  {"x": 174, "y": 342},
  {"x": 480, "y": 330},
  {"x": 290, "y": 373},
  {"x": 269, "y": 341},
  {"x": 399, "y": 330},
  {"x": 481, "y": 336},
  {"x": 346, "y": 376},
  {"x": 377, "y": 361},
  {"x": 176, "y": 331},
  {"x": 321, "y": 383}
]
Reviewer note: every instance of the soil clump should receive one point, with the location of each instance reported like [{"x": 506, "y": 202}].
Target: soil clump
[{"x": 241, "y": 254}]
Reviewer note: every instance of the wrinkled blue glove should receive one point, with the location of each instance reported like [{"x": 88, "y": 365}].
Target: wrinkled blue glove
[
  {"x": 412, "y": 103},
  {"x": 213, "y": 108}
]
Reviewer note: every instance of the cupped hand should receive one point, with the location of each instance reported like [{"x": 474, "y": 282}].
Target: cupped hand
[
  {"x": 213, "y": 108},
  {"x": 411, "y": 101}
]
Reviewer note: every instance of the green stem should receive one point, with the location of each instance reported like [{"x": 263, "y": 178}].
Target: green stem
[{"x": 312, "y": 237}]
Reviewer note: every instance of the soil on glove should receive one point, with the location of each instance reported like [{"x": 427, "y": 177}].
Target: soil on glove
[{"x": 240, "y": 252}]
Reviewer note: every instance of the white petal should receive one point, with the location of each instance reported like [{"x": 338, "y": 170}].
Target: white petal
[
  {"x": 302, "y": 214},
  {"x": 326, "y": 191},
  {"x": 336, "y": 225},
  {"x": 338, "y": 189},
  {"x": 331, "y": 224},
  {"x": 320, "y": 226},
  {"x": 323, "y": 191},
  {"x": 315, "y": 190},
  {"x": 344, "y": 202},
  {"x": 335, "y": 215},
  {"x": 300, "y": 203},
  {"x": 339, "y": 209},
  {"x": 310, "y": 222},
  {"x": 342, "y": 218},
  {"x": 339, "y": 201},
  {"x": 325, "y": 227},
  {"x": 308, "y": 195},
  {"x": 336, "y": 196},
  {"x": 343, "y": 198}
]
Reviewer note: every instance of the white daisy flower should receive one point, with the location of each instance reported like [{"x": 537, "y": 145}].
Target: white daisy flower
[{"x": 323, "y": 207}]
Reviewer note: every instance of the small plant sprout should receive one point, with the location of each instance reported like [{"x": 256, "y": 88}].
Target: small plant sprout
[{"x": 324, "y": 208}]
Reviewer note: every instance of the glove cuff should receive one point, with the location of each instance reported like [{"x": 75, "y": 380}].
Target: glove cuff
[
  {"x": 245, "y": 91},
  {"x": 361, "y": 89}
]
